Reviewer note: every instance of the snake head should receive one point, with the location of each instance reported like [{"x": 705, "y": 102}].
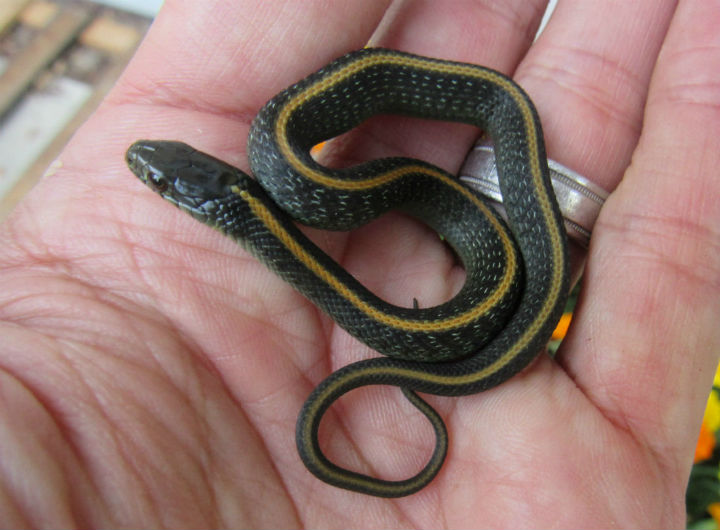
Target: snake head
[{"x": 193, "y": 181}]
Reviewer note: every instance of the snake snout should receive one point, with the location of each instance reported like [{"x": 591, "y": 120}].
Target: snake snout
[{"x": 135, "y": 155}]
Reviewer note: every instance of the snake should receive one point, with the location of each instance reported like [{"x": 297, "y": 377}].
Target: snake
[{"x": 517, "y": 271}]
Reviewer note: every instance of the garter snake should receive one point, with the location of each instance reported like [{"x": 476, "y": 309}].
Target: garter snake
[{"x": 517, "y": 278}]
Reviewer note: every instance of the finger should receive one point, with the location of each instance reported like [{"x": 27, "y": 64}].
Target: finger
[
  {"x": 496, "y": 36},
  {"x": 233, "y": 56},
  {"x": 588, "y": 75},
  {"x": 648, "y": 328}
]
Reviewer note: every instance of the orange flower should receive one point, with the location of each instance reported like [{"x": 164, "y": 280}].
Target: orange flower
[
  {"x": 714, "y": 510},
  {"x": 705, "y": 446},
  {"x": 562, "y": 327},
  {"x": 317, "y": 148}
]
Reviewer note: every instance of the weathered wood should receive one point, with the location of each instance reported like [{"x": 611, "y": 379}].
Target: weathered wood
[
  {"x": 9, "y": 12},
  {"x": 39, "y": 14},
  {"x": 73, "y": 43},
  {"x": 110, "y": 36},
  {"x": 43, "y": 162},
  {"x": 49, "y": 44},
  {"x": 101, "y": 86}
]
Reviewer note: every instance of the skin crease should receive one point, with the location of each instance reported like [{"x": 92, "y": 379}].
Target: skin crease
[{"x": 152, "y": 371}]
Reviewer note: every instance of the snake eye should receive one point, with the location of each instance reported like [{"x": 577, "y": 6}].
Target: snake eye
[{"x": 157, "y": 182}]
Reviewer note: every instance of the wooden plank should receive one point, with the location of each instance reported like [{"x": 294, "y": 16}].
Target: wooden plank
[
  {"x": 39, "y": 14},
  {"x": 44, "y": 162},
  {"x": 33, "y": 124},
  {"x": 110, "y": 36},
  {"x": 9, "y": 12},
  {"x": 145, "y": 8},
  {"x": 48, "y": 44}
]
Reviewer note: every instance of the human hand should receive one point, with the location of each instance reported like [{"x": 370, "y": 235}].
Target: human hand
[{"x": 153, "y": 371}]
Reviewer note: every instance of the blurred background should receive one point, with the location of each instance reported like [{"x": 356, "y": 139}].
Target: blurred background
[{"x": 58, "y": 59}]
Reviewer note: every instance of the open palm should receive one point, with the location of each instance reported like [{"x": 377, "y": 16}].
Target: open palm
[{"x": 153, "y": 371}]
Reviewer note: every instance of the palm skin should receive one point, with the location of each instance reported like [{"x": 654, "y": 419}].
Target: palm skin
[{"x": 153, "y": 371}]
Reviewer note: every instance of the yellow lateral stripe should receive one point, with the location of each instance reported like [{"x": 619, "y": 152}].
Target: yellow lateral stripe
[{"x": 276, "y": 228}]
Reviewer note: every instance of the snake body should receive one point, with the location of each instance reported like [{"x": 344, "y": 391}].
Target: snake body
[{"x": 517, "y": 279}]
